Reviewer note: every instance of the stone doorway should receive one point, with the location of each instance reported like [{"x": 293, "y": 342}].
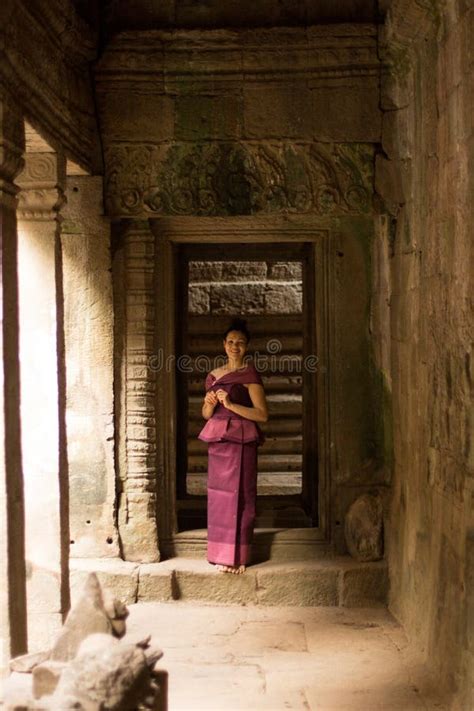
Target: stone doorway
[
  {"x": 293, "y": 499},
  {"x": 268, "y": 285}
]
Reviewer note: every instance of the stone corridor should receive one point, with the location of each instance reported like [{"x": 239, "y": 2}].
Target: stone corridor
[{"x": 307, "y": 165}]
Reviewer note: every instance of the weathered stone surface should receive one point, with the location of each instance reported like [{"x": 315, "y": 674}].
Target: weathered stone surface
[
  {"x": 215, "y": 587},
  {"x": 85, "y": 245},
  {"x": 26, "y": 662},
  {"x": 104, "y": 672},
  {"x": 431, "y": 328},
  {"x": 199, "y": 298},
  {"x": 389, "y": 182},
  {"x": 46, "y": 677},
  {"x": 144, "y": 116},
  {"x": 284, "y": 299},
  {"x": 243, "y": 271},
  {"x": 245, "y": 178},
  {"x": 277, "y": 112},
  {"x": 286, "y": 271},
  {"x": 115, "y": 575},
  {"x": 201, "y": 117},
  {"x": 204, "y": 271},
  {"x": 346, "y": 113},
  {"x": 365, "y": 586},
  {"x": 155, "y": 583},
  {"x": 363, "y": 527},
  {"x": 237, "y": 298},
  {"x": 298, "y": 586},
  {"x": 86, "y": 617}
]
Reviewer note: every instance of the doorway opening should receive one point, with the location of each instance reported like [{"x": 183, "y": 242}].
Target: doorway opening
[{"x": 272, "y": 287}]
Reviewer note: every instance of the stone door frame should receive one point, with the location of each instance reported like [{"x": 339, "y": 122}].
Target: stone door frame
[{"x": 170, "y": 232}]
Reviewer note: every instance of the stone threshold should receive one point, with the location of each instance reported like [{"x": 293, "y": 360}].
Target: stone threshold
[
  {"x": 337, "y": 581},
  {"x": 269, "y": 544}
]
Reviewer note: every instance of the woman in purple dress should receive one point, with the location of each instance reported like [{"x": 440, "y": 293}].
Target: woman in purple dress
[{"x": 233, "y": 404}]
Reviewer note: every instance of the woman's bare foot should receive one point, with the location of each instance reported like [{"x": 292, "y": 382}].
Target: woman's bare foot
[{"x": 235, "y": 569}]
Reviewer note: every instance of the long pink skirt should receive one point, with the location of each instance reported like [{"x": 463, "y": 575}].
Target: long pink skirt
[{"x": 231, "y": 499}]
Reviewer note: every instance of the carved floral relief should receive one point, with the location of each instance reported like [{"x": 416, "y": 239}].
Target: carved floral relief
[{"x": 239, "y": 178}]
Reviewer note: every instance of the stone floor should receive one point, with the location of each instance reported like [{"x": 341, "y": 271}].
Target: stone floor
[{"x": 233, "y": 657}]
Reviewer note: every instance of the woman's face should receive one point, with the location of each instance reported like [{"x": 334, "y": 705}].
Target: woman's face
[{"x": 235, "y": 345}]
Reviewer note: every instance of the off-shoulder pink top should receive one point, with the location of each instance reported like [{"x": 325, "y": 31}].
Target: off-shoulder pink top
[{"x": 226, "y": 426}]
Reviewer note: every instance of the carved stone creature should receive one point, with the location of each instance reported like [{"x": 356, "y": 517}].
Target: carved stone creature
[
  {"x": 89, "y": 669},
  {"x": 108, "y": 674},
  {"x": 92, "y": 613},
  {"x": 364, "y": 528}
]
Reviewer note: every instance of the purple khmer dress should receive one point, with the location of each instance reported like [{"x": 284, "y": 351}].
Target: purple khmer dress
[{"x": 232, "y": 471}]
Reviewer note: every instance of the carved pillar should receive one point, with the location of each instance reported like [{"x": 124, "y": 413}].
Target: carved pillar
[
  {"x": 137, "y": 455},
  {"x": 12, "y": 549},
  {"x": 88, "y": 330},
  {"x": 43, "y": 393}
]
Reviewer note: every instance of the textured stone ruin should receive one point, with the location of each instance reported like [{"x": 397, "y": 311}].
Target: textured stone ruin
[
  {"x": 165, "y": 164},
  {"x": 91, "y": 666}
]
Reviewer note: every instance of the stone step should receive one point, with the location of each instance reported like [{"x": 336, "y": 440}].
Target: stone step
[{"x": 336, "y": 581}]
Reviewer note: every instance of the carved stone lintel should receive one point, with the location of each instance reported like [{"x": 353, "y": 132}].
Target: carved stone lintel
[
  {"x": 42, "y": 186},
  {"x": 239, "y": 178}
]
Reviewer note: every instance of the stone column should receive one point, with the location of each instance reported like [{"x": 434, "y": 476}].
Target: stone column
[
  {"x": 135, "y": 300},
  {"x": 89, "y": 338},
  {"x": 43, "y": 394},
  {"x": 13, "y": 639}
]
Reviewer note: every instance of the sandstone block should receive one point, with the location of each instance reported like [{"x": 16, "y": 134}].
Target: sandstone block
[
  {"x": 395, "y": 94},
  {"x": 396, "y": 139},
  {"x": 215, "y": 587},
  {"x": 143, "y": 115},
  {"x": 363, "y": 528},
  {"x": 284, "y": 299},
  {"x": 199, "y": 299},
  {"x": 291, "y": 587},
  {"x": 365, "y": 586},
  {"x": 277, "y": 112},
  {"x": 205, "y": 271},
  {"x": 237, "y": 299},
  {"x": 286, "y": 271},
  {"x": 120, "y": 577},
  {"x": 202, "y": 117},
  {"x": 155, "y": 583},
  {"x": 346, "y": 114},
  {"x": 243, "y": 271},
  {"x": 389, "y": 181}
]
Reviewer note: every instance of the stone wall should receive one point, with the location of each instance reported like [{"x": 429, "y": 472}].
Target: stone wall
[
  {"x": 253, "y": 124},
  {"x": 224, "y": 122},
  {"x": 245, "y": 288},
  {"x": 426, "y": 181},
  {"x": 45, "y": 53}
]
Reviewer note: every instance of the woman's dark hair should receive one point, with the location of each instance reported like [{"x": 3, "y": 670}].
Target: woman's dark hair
[{"x": 238, "y": 324}]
